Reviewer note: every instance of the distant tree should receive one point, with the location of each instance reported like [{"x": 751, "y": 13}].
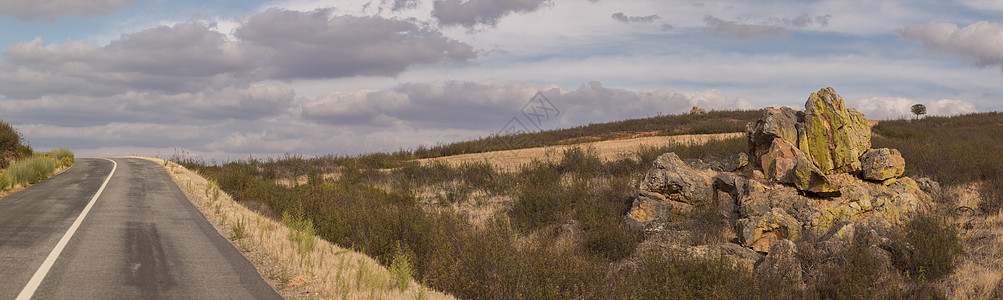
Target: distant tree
[{"x": 918, "y": 109}]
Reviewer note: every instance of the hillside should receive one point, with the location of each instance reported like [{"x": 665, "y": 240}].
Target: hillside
[
  {"x": 477, "y": 226},
  {"x": 608, "y": 150}
]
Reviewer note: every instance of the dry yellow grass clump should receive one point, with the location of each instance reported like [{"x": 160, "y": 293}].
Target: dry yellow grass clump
[
  {"x": 979, "y": 274},
  {"x": 298, "y": 266}
]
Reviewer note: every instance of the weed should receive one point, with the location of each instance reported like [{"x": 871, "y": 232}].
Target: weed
[
  {"x": 301, "y": 231},
  {"x": 62, "y": 155},
  {"x": 238, "y": 228},
  {"x": 400, "y": 268}
]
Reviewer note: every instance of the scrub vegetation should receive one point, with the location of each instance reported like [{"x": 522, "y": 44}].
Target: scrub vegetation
[
  {"x": 21, "y": 166},
  {"x": 554, "y": 228}
]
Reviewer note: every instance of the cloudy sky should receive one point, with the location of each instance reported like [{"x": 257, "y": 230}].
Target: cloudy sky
[{"x": 231, "y": 78}]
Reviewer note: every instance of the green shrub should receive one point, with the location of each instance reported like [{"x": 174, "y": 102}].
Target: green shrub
[
  {"x": 992, "y": 195},
  {"x": 12, "y": 145},
  {"x": 63, "y": 156},
  {"x": 6, "y": 181},
  {"x": 853, "y": 273},
  {"x": 540, "y": 197},
  {"x": 679, "y": 276},
  {"x": 239, "y": 228},
  {"x": 929, "y": 249},
  {"x": 31, "y": 170},
  {"x": 301, "y": 231},
  {"x": 400, "y": 267},
  {"x": 581, "y": 161}
]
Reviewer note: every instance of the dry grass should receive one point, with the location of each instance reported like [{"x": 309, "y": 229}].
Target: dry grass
[
  {"x": 980, "y": 272},
  {"x": 326, "y": 272},
  {"x": 512, "y": 160}
]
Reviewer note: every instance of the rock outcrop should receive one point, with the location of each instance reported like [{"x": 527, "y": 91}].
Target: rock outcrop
[
  {"x": 807, "y": 171},
  {"x": 670, "y": 187},
  {"x": 804, "y": 148}
]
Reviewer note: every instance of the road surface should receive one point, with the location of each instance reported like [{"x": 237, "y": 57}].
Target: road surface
[{"x": 140, "y": 239}]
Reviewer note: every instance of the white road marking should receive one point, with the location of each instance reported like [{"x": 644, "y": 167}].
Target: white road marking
[{"x": 36, "y": 280}]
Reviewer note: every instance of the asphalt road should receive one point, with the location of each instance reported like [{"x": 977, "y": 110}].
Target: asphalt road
[{"x": 141, "y": 239}]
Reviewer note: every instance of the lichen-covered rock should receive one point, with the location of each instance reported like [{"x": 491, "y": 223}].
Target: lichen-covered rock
[
  {"x": 807, "y": 177},
  {"x": 674, "y": 179},
  {"x": 650, "y": 210},
  {"x": 670, "y": 189},
  {"x": 835, "y": 137},
  {"x": 761, "y": 232},
  {"x": 881, "y": 164}
]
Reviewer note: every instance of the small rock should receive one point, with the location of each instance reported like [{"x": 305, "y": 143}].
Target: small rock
[
  {"x": 760, "y": 232},
  {"x": 651, "y": 209},
  {"x": 732, "y": 163},
  {"x": 882, "y": 164},
  {"x": 807, "y": 177},
  {"x": 928, "y": 185},
  {"x": 697, "y": 164},
  {"x": 780, "y": 160},
  {"x": 731, "y": 184}
]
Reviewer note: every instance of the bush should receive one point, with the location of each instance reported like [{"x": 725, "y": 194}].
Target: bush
[
  {"x": 679, "y": 276},
  {"x": 12, "y": 145},
  {"x": 400, "y": 267},
  {"x": 992, "y": 195},
  {"x": 929, "y": 249},
  {"x": 540, "y": 198},
  {"x": 301, "y": 231},
  {"x": 31, "y": 170},
  {"x": 854, "y": 273}
]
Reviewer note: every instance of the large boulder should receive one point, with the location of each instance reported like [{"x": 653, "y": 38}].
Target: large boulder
[
  {"x": 882, "y": 164},
  {"x": 671, "y": 188},
  {"x": 671, "y": 177},
  {"x": 836, "y": 137}
]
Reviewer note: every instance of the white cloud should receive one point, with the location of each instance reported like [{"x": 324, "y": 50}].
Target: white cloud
[{"x": 979, "y": 43}]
